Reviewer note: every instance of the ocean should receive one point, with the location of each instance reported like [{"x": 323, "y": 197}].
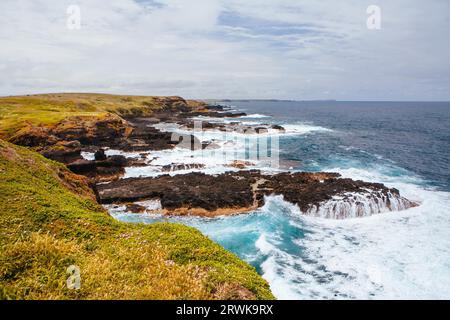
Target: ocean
[{"x": 395, "y": 255}]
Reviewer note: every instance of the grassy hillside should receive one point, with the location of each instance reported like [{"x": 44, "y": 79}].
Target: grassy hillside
[
  {"x": 48, "y": 109},
  {"x": 49, "y": 220}
]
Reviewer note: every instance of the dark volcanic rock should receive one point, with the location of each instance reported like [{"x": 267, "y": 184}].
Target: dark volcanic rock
[
  {"x": 109, "y": 169},
  {"x": 215, "y": 114},
  {"x": 82, "y": 166},
  {"x": 260, "y": 130},
  {"x": 63, "y": 151},
  {"x": 240, "y": 190},
  {"x": 131, "y": 162},
  {"x": 182, "y": 166},
  {"x": 100, "y": 155},
  {"x": 57, "y": 141},
  {"x": 135, "y": 208},
  {"x": 278, "y": 127},
  {"x": 195, "y": 190},
  {"x": 92, "y": 131},
  {"x": 217, "y": 108},
  {"x": 232, "y": 127},
  {"x": 144, "y": 137}
]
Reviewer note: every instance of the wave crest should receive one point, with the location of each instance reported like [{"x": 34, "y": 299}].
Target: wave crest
[{"x": 355, "y": 205}]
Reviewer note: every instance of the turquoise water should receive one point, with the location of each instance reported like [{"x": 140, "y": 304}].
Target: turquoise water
[{"x": 394, "y": 255}]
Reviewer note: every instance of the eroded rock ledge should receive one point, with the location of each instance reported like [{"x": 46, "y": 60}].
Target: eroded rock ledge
[{"x": 318, "y": 194}]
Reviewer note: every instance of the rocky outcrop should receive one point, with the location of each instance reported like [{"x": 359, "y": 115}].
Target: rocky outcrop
[
  {"x": 63, "y": 151},
  {"x": 110, "y": 168},
  {"x": 215, "y": 114},
  {"x": 85, "y": 130},
  {"x": 143, "y": 138},
  {"x": 194, "y": 190},
  {"x": 326, "y": 195},
  {"x": 181, "y": 166},
  {"x": 236, "y": 127},
  {"x": 240, "y": 164},
  {"x": 230, "y": 193},
  {"x": 63, "y": 140},
  {"x": 196, "y": 105}
]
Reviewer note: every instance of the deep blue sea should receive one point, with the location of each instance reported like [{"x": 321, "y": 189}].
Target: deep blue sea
[
  {"x": 413, "y": 135},
  {"x": 394, "y": 255}
]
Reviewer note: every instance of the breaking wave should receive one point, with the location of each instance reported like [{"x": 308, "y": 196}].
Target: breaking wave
[
  {"x": 356, "y": 205},
  {"x": 397, "y": 255}
]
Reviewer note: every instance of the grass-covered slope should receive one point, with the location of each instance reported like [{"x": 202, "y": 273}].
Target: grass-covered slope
[
  {"x": 18, "y": 112},
  {"x": 49, "y": 220}
]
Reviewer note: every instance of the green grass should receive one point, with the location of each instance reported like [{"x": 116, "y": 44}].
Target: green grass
[
  {"x": 48, "y": 109},
  {"x": 49, "y": 220}
]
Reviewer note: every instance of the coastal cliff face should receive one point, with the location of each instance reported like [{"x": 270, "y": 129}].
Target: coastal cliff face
[{"x": 56, "y": 125}]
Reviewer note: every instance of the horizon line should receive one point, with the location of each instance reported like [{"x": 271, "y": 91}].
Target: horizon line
[{"x": 227, "y": 99}]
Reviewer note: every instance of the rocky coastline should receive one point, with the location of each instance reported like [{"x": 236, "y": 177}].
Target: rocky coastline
[
  {"x": 200, "y": 194},
  {"x": 51, "y": 218},
  {"x": 194, "y": 193}
]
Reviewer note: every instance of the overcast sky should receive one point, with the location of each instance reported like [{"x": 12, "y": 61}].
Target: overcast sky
[{"x": 283, "y": 49}]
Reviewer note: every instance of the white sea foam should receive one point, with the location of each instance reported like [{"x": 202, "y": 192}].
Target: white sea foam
[
  {"x": 213, "y": 161},
  {"x": 254, "y": 116},
  {"x": 151, "y": 205},
  {"x": 88, "y": 155},
  {"x": 120, "y": 211},
  {"x": 112, "y": 152},
  {"x": 396, "y": 255},
  {"x": 224, "y": 149},
  {"x": 290, "y": 129},
  {"x": 303, "y": 128},
  {"x": 356, "y": 205},
  {"x": 272, "y": 270}
]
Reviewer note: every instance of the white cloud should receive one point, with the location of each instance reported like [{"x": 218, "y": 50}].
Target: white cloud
[{"x": 263, "y": 49}]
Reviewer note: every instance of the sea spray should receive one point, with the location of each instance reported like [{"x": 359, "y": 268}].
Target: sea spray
[{"x": 354, "y": 205}]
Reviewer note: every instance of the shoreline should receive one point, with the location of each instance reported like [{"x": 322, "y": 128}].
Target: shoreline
[
  {"x": 141, "y": 175},
  {"x": 169, "y": 144}
]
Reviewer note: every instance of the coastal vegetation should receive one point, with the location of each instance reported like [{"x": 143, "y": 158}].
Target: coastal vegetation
[
  {"x": 50, "y": 220},
  {"x": 19, "y": 112}
]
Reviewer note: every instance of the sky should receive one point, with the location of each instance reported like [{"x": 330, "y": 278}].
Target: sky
[{"x": 235, "y": 49}]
